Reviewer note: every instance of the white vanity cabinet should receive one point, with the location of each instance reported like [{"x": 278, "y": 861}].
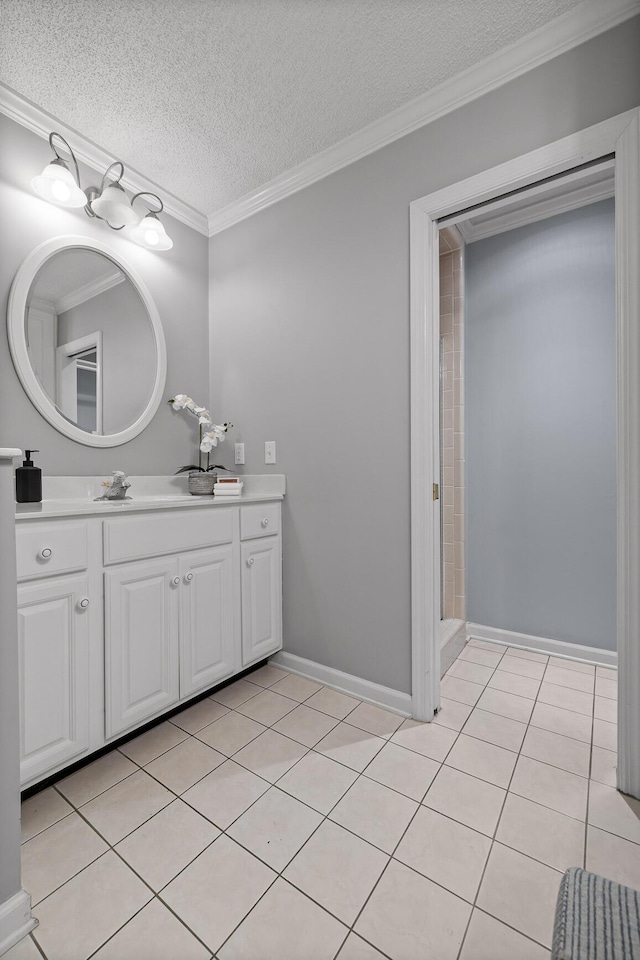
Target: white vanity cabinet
[
  {"x": 53, "y": 639},
  {"x": 55, "y": 617},
  {"x": 209, "y": 618},
  {"x": 141, "y": 642},
  {"x": 261, "y": 565},
  {"x": 170, "y": 631},
  {"x": 171, "y": 626},
  {"x": 125, "y": 616}
]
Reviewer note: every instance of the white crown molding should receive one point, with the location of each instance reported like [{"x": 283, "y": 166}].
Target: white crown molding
[
  {"x": 556, "y": 37},
  {"x": 46, "y": 307},
  {"x": 542, "y": 211},
  {"x": 88, "y": 291},
  {"x": 29, "y": 115},
  {"x": 537, "y": 205}
]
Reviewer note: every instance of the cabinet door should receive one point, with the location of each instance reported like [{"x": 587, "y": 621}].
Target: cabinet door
[
  {"x": 53, "y": 639},
  {"x": 141, "y": 642},
  {"x": 209, "y": 634},
  {"x": 261, "y": 598}
]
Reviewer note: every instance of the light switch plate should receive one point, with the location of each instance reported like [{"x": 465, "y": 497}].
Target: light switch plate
[
  {"x": 239, "y": 453},
  {"x": 270, "y": 451}
]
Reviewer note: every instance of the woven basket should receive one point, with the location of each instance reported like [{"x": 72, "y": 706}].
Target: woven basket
[{"x": 201, "y": 484}]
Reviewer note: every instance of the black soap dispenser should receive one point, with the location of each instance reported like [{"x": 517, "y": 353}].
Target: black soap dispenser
[{"x": 29, "y": 481}]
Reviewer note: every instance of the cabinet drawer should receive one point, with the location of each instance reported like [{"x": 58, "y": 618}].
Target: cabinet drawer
[
  {"x": 44, "y": 549},
  {"x": 132, "y": 538},
  {"x": 259, "y": 520}
]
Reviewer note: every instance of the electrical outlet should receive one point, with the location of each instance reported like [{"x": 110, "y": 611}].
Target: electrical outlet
[
  {"x": 270, "y": 451},
  {"x": 239, "y": 453}
]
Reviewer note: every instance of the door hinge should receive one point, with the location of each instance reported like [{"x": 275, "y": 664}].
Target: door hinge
[{"x": 436, "y": 492}]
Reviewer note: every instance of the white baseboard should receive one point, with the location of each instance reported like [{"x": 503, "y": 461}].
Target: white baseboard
[
  {"x": 15, "y": 920},
  {"x": 453, "y": 636},
  {"x": 345, "y": 683},
  {"x": 557, "y": 648}
]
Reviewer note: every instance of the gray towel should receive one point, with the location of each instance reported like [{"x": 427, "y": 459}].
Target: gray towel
[{"x": 596, "y": 919}]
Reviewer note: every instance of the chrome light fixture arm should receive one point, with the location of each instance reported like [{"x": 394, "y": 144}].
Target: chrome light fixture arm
[
  {"x": 71, "y": 154},
  {"x": 94, "y": 192},
  {"x": 108, "y": 203},
  {"x": 147, "y": 193}
]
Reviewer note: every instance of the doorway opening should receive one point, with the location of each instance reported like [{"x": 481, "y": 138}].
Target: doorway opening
[
  {"x": 453, "y": 614},
  {"x": 619, "y": 136},
  {"x": 540, "y": 380}
]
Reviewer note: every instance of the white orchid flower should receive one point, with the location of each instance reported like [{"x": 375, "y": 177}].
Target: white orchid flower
[
  {"x": 209, "y": 438},
  {"x": 180, "y": 400},
  {"x": 212, "y": 437}
]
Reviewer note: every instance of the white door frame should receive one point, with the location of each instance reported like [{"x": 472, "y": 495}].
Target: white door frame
[
  {"x": 620, "y": 136},
  {"x": 67, "y": 378}
]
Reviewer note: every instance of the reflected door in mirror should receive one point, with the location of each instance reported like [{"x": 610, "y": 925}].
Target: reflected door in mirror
[{"x": 90, "y": 341}]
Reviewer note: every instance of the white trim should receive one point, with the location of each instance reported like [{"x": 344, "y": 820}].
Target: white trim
[
  {"x": 628, "y": 492},
  {"x": 556, "y": 648},
  {"x": 534, "y": 205},
  {"x": 619, "y": 135},
  {"x": 453, "y": 637},
  {"x": 29, "y": 115},
  {"x": 15, "y": 920},
  {"x": 345, "y": 683},
  {"x": 20, "y": 354},
  {"x": 88, "y": 291},
  {"x": 554, "y": 38},
  {"x": 66, "y": 374}
]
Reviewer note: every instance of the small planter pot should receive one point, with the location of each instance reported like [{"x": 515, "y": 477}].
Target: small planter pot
[{"x": 201, "y": 484}]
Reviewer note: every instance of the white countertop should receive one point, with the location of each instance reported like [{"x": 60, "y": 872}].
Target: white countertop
[{"x": 75, "y": 496}]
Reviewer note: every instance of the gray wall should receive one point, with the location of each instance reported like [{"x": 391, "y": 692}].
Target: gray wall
[
  {"x": 540, "y": 393},
  {"x": 310, "y": 347},
  {"x": 177, "y": 281}
]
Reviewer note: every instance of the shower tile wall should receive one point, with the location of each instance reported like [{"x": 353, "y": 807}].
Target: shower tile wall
[{"x": 452, "y": 425}]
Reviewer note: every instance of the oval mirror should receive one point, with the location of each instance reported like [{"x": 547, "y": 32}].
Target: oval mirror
[{"x": 86, "y": 341}]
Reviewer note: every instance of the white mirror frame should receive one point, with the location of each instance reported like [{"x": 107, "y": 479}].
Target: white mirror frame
[{"x": 18, "y": 342}]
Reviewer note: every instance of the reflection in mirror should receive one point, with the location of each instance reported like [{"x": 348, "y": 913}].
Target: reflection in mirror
[{"x": 90, "y": 341}]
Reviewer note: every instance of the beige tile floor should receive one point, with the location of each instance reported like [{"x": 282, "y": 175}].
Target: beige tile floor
[{"x": 279, "y": 819}]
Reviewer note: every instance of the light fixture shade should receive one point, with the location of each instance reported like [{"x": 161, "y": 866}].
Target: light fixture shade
[
  {"x": 151, "y": 234},
  {"x": 56, "y": 184},
  {"x": 113, "y": 206}
]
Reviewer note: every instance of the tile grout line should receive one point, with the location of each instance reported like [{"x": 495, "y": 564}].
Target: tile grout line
[
  {"x": 586, "y": 815},
  {"x": 112, "y": 848},
  {"x": 157, "y": 895},
  {"x": 361, "y": 773},
  {"x": 494, "y": 838}
]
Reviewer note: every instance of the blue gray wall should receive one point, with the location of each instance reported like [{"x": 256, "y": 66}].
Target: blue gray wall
[
  {"x": 309, "y": 305},
  {"x": 540, "y": 443}
]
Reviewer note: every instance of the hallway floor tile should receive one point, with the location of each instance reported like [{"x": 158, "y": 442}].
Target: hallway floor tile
[{"x": 281, "y": 820}]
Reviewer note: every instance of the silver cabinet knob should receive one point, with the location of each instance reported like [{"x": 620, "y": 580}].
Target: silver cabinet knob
[
  {"x": 45, "y": 553},
  {"x": 175, "y": 581},
  {"x": 84, "y": 603},
  {"x": 265, "y": 522},
  {"x": 189, "y": 577},
  {"x": 250, "y": 561}
]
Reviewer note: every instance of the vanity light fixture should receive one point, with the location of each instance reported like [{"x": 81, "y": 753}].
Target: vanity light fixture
[
  {"x": 151, "y": 234},
  {"x": 108, "y": 202}
]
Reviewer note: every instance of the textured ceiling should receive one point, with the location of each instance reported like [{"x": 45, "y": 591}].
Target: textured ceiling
[{"x": 213, "y": 98}]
